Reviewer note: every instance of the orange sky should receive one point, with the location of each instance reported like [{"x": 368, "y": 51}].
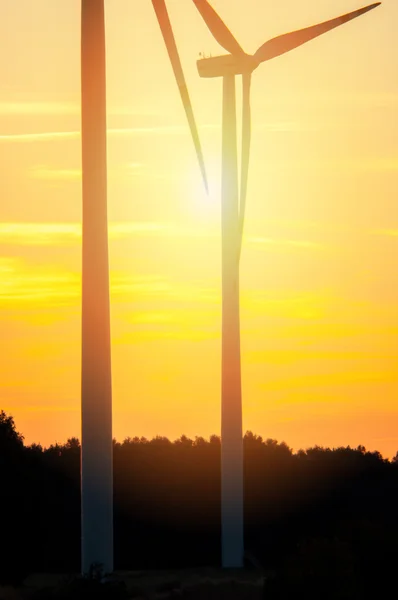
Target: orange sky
[{"x": 319, "y": 284}]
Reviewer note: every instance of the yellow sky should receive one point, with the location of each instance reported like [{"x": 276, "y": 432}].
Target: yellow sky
[{"x": 318, "y": 276}]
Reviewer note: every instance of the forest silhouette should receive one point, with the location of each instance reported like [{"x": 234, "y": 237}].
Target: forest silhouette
[{"x": 319, "y": 512}]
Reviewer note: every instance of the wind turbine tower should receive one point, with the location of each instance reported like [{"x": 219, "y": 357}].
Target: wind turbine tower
[{"x": 96, "y": 385}]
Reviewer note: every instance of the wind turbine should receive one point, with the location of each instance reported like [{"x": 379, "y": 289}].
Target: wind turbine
[
  {"x": 233, "y": 202},
  {"x": 96, "y": 384}
]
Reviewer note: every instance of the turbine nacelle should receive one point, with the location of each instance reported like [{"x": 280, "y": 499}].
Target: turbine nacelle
[{"x": 226, "y": 64}]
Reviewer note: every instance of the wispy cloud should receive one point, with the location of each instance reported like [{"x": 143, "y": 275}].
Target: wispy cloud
[
  {"x": 23, "y": 284},
  {"x": 191, "y": 335},
  {"x": 59, "y": 234},
  {"x": 315, "y": 99},
  {"x": 42, "y": 172},
  {"x": 51, "y": 408},
  {"x": 387, "y": 163},
  {"x": 265, "y": 241},
  {"x": 47, "y": 108},
  {"x": 39, "y": 108},
  {"x": 120, "y": 131},
  {"x": 288, "y": 356},
  {"x": 19, "y": 282},
  {"x": 48, "y": 136},
  {"x": 39, "y": 234},
  {"x": 330, "y": 379},
  {"x": 386, "y": 232},
  {"x": 7, "y": 265},
  {"x": 40, "y": 137},
  {"x": 45, "y": 172},
  {"x": 30, "y": 230},
  {"x": 285, "y": 126},
  {"x": 378, "y": 164},
  {"x": 168, "y": 130},
  {"x": 345, "y": 164},
  {"x": 306, "y": 305},
  {"x": 53, "y": 284},
  {"x": 271, "y": 126}
]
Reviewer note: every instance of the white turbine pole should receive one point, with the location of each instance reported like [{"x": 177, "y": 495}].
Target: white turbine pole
[
  {"x": 231, "y": 391},
  {"x": 96, "y": 384}
]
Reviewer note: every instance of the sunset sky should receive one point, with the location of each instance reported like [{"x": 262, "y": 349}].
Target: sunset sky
[{"x": 319, "y": 277}]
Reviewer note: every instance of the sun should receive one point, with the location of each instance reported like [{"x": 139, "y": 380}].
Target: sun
[{"x": 204, "y": 207}]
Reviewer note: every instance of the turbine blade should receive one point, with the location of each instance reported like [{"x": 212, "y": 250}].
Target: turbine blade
[
  {"x": 289, "y": 41},
  {"x": 246, "y": 137},
  {"x": 218, "y": 28},
  {"x": 168, "y": 36}
]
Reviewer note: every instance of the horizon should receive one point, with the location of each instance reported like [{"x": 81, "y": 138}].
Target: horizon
[{"x": 198, "y": 440}]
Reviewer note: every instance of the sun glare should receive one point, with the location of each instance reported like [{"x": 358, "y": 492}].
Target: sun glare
[{"x": 204, "y": 207}]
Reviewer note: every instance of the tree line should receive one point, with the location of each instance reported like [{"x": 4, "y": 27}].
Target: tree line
[{"x": 318, "y": 506}]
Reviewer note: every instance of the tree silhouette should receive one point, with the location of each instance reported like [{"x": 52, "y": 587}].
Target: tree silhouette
[
  {"x": 10, "y": 438},
  {"x": 319, "y": 510},
  {"x": 72, "y": 443}
]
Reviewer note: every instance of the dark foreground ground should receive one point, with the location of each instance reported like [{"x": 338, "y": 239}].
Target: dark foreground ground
[
  {"x": 307, "y": 582},
  {"x": 192, "y": 584}
]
